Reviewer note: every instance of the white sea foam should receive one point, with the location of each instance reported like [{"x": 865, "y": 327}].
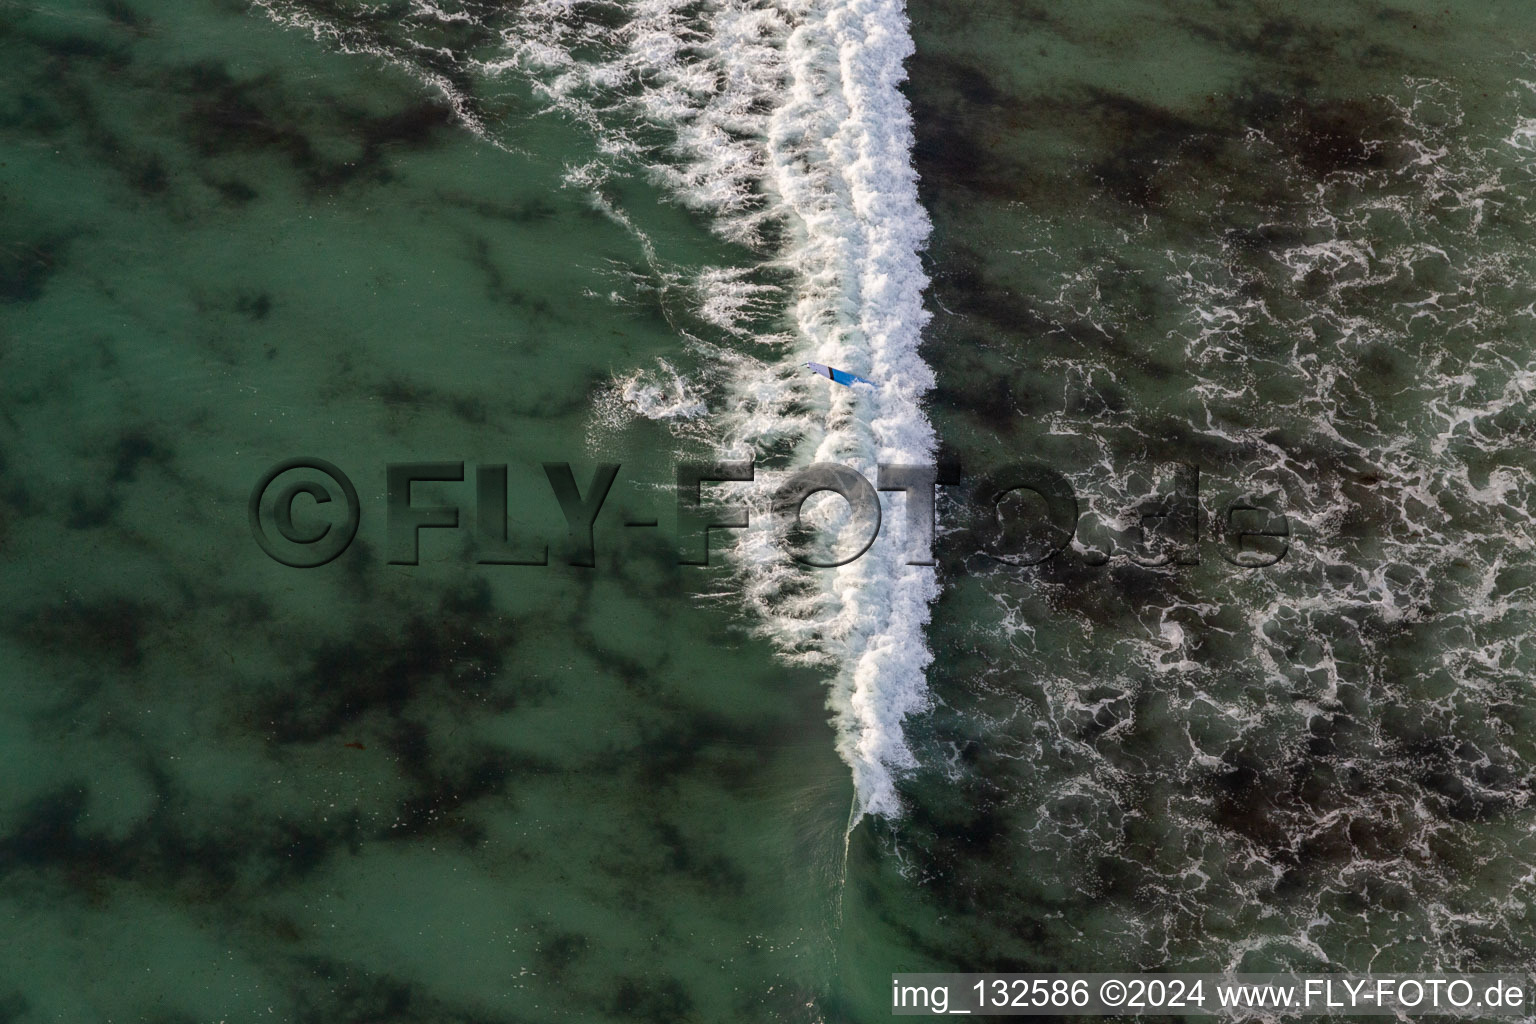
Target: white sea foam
[
  {"x": 659, "y": 394},
  {"x": 840, "y": 161},
  {"x": 784, "y": 120}
]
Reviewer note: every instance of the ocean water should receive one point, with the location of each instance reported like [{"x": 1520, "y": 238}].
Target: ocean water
[
  {"x": 1291, "y": 250},
  {"x": 1193, "y": 257}
]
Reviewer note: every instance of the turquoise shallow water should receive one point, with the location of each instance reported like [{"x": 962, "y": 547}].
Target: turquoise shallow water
[
  {"x": 360, "y": 792},
  {"x": 1287, "y": 246}
]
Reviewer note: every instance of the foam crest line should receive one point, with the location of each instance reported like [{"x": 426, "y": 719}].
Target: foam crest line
[
  {"x": 786, "y": 125},
  {"x": 860, "y": 307}
]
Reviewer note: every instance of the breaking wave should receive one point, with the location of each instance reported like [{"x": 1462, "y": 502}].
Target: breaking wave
[{"x": 780, "y": 121}]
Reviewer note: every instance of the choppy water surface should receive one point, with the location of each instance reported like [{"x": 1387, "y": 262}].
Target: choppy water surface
[
  {"x": 1288, "y": 247},
  {"x": 1294, "y": 251}
]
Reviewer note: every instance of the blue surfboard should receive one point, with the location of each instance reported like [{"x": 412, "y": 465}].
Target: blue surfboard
[{"x": 842, "y": 377}]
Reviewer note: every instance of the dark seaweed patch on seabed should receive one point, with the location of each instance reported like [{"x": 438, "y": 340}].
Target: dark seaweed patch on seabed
[
  {"x": 328, "y": 991},
  {"x": 498, "y": 289},
  {"x": 109, "y": 630},
  {"x": 59, "y": 102},
  {"x": 429, "y": 46},
  {"x": 445, "y": 789},
  {"x": 954, "y": 130},
  {"x": 221, "y": 116},
  {"x": 386, "y": 691},
  {"x": 729, "y": 752},
  {"x": 659, "y": 999},
  {"x": 228, "y": 116},
  {"x": 448, "y": 656},
  {"x": 1150, "y": 146},
  {"x": 528, "y": 211},
  {"x": 257, "y": 305},
  {"x": 95, "y": 507},
  {"x": 687, "y": 856},
  {"x": 135, "y": 447},
  {"x": 388, "y": 684},
  {"x": 174, "y": 850},
  {"x": 26, "y": 267},
  {"x": 962, "y": 285},
  {"x": 1152, "y": 155},
  {"x": 1136, "y": 152},
  {"x": 560, "y": 952},
  {"x": 14, "y": 1008},
  {"x": 1296, "y": 52},
  {"x": 124, "y": 15},
  {"x": 225, "y": 115},
  {"x": 990, "y": 367},
  {"x": 68, "y": 49},
  {"x": 405, "y": 398}
]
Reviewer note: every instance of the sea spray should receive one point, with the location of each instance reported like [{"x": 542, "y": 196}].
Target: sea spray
[
  {"x": 859, "y": 306},
  {"x": 788, "y": 123}
]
